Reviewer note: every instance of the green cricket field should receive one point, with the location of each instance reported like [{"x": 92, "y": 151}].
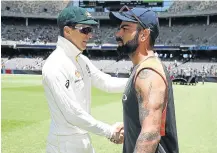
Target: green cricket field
[{"x": 25, "y": 116}]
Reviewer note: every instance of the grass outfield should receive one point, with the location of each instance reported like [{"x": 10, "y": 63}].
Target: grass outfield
[{"x": 25, "y": 116}]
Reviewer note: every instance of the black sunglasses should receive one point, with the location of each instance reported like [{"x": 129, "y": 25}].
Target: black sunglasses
[
  {"x": 133, "y": 15},
  {"x": 84, "y": 30}
]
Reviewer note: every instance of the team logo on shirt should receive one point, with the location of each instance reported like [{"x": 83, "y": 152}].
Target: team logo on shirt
[
  {"x": 124, "y": 97},
  {"x": 77, "y": 74},
  {"x": 78, "y": 77},
  {"x": 67, "y": 84}
]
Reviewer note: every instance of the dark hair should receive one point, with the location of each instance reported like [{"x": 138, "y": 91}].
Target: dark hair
[
  {"x": 61, "y": 29},
  {"x": 152, "y": 40}
]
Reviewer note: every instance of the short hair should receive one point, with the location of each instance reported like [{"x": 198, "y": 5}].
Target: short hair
[{"x": 61, "y": 29}]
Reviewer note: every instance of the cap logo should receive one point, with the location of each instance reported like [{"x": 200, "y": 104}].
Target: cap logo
[{"x": 88, "y": 15}]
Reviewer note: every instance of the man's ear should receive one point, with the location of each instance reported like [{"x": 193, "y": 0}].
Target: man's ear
[
  {"x": 67, "y": 30},
  {"x": 145, "y": 34}
]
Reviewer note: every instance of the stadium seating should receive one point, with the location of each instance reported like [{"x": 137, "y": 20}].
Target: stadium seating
[
  {"x": 37, "y": 8},
  {"x": 196, "y": 33},
  {"x": 44, "y": 30},
  {"x": 21, "y": 63},
  {"x": 188, "y": 34},
  {"x": 52, "y": 8},
  {"x": 192, "y": 6},
  {"x": 111, "y": 66},
  {"x": 47, "y": 31}
]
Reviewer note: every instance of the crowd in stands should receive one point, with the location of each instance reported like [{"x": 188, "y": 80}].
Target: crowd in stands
[
  {"x": 108, "y": 65},
  {"x": 52, "y": 8},
  {"x": 44, "y": 31},
  {"x": 196, "y": 34},
  {"x": 27, "y": 61},
  {"x": 47, "y": 31},
  {"x": 38, "y": 8},
  {"x": 23, "y": 63},
  {"x": 192, "y": 6}
]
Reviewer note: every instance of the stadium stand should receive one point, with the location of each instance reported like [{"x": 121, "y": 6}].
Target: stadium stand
[
  {"x": 188, "y": 34},
  {"x": 52, "y": 8},
  {"x": 47, "y": 31},
  {"x": 36, "y": 8},
  {"x": 16, "y": 30},
  {"x": 35, "y": 62},
  {"x": 41, "y": 27},
  {"x": 179, "y": 34},
  {"x": 192, "y": 6}
]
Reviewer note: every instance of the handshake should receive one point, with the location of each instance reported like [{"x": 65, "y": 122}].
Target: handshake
[{"x": 117, "y": 136}]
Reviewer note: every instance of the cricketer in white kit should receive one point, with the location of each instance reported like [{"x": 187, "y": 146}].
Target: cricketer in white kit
[{"x": 68, "y": 77}]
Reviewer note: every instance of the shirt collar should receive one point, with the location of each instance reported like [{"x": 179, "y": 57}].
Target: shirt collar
[{"x": 69, "y": 48}]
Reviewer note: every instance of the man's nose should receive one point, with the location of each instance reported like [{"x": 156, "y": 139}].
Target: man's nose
[{"x": 118, "y": 33}]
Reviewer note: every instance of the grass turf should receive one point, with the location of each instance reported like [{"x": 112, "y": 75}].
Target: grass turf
[{"x": 25, "y": 116}]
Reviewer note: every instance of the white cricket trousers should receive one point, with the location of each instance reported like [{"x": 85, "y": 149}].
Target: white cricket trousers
[{"x": 77, "y": 143}]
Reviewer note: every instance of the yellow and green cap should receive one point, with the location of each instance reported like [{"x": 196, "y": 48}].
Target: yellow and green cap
[{"x": 75, "y": 15}]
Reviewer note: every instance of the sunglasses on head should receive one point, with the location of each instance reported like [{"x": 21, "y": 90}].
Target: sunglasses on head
[
  {"x": 133, "y": 15},
  {"x": 84, "y": 30}
]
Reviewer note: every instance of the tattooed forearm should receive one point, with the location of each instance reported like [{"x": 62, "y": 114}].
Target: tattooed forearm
[
  {"x": 140, "y": 148},
  {"x": 147, "y": 142},
  {"x": 148, "y": 136}
]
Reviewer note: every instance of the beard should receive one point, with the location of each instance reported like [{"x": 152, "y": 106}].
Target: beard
[{"x": 129, "y": 48}]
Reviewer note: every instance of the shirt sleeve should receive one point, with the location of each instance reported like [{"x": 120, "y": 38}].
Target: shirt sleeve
[
  {"x": 65, "y": 99},
  {"x": 105, "y": 81}
]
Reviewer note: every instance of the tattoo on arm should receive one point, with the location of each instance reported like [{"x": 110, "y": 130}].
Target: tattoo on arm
[
  {"x": 144, "y": 74},
  {"x": 148, "y": 136},
  {"x": 150, "y": 101},
  {"x": 139, "y": 95},
  {"x": 143, "y": 112},
  {"x": 152, "y": 142},
  {"x": 141, "y": 148}
]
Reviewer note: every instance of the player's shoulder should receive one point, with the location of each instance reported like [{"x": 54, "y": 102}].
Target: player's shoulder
[
  {"x": 150, "y": 76},
  {"x": 147, "y": 73},
  {"x": 152, "y": 70},
  {"x": 58, "y": 64}
]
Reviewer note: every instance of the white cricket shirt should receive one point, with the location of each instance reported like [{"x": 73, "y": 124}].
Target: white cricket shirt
[{"x": 67, "y": 79}]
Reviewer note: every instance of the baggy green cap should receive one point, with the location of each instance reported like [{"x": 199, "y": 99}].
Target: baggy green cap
[{"x": 74, "y": 15}]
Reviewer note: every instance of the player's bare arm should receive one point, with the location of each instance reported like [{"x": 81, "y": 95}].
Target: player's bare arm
[{"x": 151, "y": 90}]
